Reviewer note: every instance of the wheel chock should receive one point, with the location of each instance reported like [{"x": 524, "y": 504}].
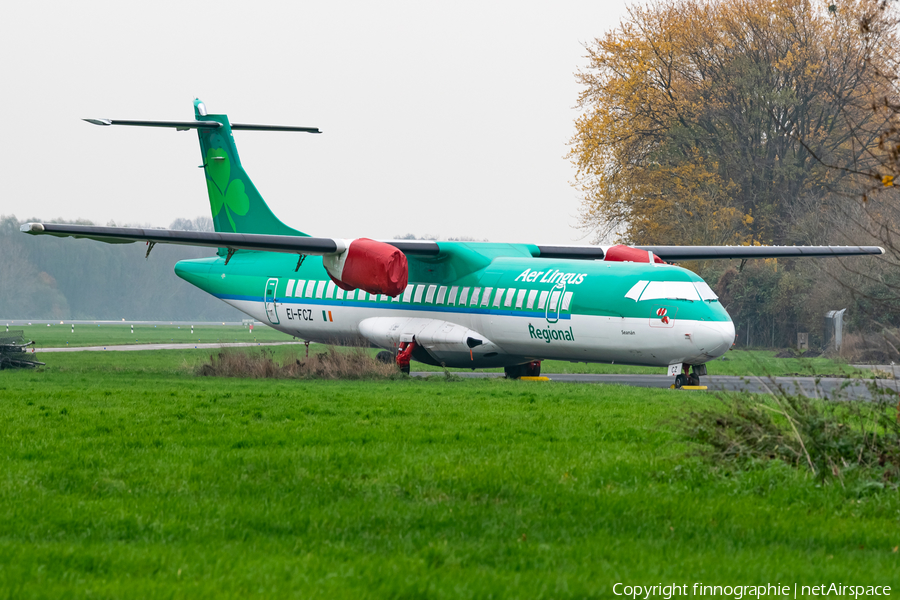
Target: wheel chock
[
  {"x": 689, "y": 387},
  {"x": 534, "y": 378}
]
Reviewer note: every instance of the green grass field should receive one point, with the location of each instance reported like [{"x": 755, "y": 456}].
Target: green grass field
[
  {"x": 114, "y": 334},
  {"x": 127, "y": 476},
  {"x": 735, "y": 362}
]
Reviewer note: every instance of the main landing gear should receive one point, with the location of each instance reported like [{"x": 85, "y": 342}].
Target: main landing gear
[
  {"x": 532, "y": 369},
  {"x": 691, "y": 380},
  {"x": 405, "y": 355}
]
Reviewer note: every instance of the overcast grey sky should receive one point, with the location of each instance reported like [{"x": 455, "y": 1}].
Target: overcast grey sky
[{"x": 445, "y": 118}]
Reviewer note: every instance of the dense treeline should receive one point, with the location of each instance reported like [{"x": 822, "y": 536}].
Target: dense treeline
[
  {"x": 43, "y": 277},
  {"x": 748, "y": 122}
]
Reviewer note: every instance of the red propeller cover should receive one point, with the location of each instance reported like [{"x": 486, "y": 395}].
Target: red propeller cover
[
  {"x": 375, "y": 267},
  {"x": 622, "y": 253}
]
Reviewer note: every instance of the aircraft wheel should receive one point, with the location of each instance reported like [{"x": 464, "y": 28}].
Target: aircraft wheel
[
  {"x": 385, "y": 357},
  {"x": 533, "y": 369},
  {"x": 680, "y": 380},
  {"x": 693, "y": 379}
]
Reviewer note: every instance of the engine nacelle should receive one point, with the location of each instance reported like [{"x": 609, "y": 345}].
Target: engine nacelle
[
  {"x": 622, "y": 253},
  {"x": 441, "y": 341},
  {"x": 375, "y": 267}
]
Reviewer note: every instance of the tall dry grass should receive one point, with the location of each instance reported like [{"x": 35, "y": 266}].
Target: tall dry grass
[
  {"x": 832, "y": 439},
  {"x": 345, "y": 363},
  {"x": 871, "y": 348}
]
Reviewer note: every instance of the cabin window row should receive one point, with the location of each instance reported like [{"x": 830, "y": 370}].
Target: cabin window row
[{"x": 444, "y": 295}]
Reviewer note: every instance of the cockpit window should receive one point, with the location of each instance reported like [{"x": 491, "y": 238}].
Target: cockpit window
[
  {"x": 670, "y": 290},
  {"x": 635, "y": 292},
  {"x": 706, "y": 292}
]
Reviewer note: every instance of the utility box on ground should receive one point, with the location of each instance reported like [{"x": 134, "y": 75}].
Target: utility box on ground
[
  {"x": 802, "y": 341},
  {"x": 834, "y": 329}
]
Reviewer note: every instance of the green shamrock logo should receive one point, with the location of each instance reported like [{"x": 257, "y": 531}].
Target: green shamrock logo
[{"x": 224, "y": 194}]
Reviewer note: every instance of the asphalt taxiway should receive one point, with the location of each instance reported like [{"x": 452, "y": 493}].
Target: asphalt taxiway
[{"x": 813, "y": 387}]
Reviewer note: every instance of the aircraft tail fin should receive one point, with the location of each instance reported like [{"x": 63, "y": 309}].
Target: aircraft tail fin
[{"x": 235, "y": 203}]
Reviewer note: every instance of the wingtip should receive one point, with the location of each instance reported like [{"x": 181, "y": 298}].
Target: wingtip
[
  {"x": 31, "y": 228},
  {"x": 99, "y": 121}
]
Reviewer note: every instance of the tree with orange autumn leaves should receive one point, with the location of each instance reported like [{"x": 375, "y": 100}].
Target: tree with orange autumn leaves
[{"x": 722, "y": 121}]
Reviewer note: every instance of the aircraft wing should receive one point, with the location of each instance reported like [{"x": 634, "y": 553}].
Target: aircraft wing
[
  {"x": 323, "y": 246},
  {"x": 237, "y": 241},
  {"x": 678, "y": 253}
]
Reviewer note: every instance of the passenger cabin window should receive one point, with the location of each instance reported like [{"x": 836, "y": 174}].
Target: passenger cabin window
[
  {"x": 452, "y": 298},
  {"x": 442, "y": 293},
  {"x": 290, "y": 288},
  {"x": 509, "y": 297},
  {"x": 497, "y": 298},
  {"x": 429, "y": 297},
  {"x": 464, "y": 296},
  {"x": 418, "y": 297},
  {"x": 520, "y": 298},
  {"x": 407, "y": 293},
  {"x": 531, "y": 296},
  {"x": 554, "y": 299}
]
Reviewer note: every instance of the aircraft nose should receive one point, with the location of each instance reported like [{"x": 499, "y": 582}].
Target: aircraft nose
[{"x": 718, "y": 336}]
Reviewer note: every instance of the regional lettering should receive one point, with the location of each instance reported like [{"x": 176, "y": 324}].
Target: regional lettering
[
  {"x": 552, "y": 276},
  {"x": 549, "y": 335}
]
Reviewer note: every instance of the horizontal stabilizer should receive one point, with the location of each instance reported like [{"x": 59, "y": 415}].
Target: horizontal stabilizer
[
  {"x": 185, "y": 125},
  {"x": 251, "y": 127},
  {"x": 182, "y": 125}
]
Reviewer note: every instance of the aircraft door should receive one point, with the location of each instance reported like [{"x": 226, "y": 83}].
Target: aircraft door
[
  {"x": 271, "y": 308},
  {"x": 554, "y": 302}
]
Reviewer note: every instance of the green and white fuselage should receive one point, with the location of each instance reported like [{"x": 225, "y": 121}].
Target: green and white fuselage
[{"x": 523, "y": 308}]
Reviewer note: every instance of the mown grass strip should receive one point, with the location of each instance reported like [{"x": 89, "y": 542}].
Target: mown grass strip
[{"x": 131, "y": 476}]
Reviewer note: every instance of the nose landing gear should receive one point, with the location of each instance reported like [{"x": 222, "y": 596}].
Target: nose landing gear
[{"x": 690, "y": 380}]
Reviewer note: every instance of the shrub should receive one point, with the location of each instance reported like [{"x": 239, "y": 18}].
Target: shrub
[
  {"x": 828, "y": 437},
  {"x": 352, "y": 363}
]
